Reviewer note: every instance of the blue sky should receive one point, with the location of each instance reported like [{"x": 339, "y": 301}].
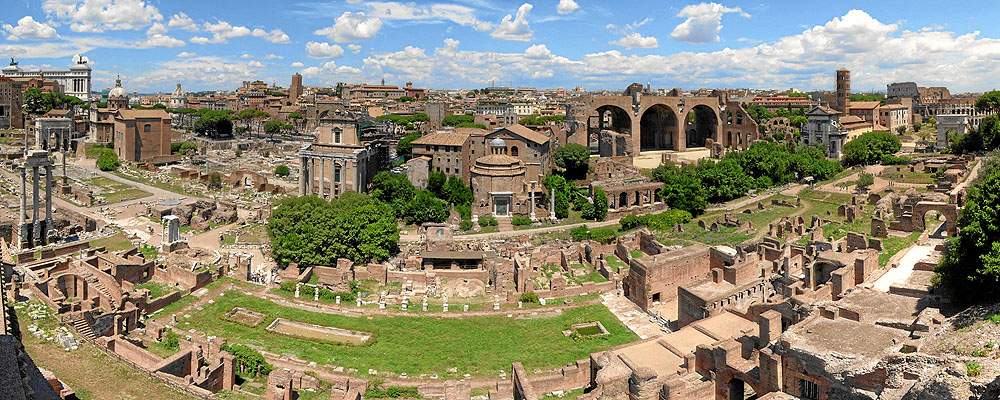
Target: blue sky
[{"x": 543, "y": 43}]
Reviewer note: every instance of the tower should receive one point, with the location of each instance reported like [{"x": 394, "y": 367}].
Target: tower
[
  {"x": 295, "y": 90},
  {"x": 843, "y": 91},
  {"x": 117, "y": 96}
]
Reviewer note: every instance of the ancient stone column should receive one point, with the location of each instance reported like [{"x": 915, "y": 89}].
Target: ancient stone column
[
  {"x": 532, "y": 196},
  {"x": 48, "y": 201},
  {"x": 24, "y": 195},
  {"x": 303, "y": 175},
  {"x": 36, "y": 231},
  {"x": 322, "y": 178}
]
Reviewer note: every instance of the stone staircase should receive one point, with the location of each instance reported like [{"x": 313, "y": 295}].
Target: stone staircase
[
  {"x": 504, "y": 224},
  {"x": 95, "y": 283},
  {"x": 82, "y": 327}
]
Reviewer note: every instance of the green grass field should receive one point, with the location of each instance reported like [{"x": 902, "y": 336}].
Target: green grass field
[{"x": 480, "y": 346}]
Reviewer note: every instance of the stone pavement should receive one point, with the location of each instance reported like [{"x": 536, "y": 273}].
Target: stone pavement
[{"x": 631, "y": 315}]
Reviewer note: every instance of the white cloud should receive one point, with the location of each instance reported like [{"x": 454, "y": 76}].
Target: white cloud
[
  {"x": 44, "y": 50},
  {"x": 567, "y": 7},
  {"x": 355, "y": 48},
  {"x": 458, "y": 14},
  {"x": 330, "y": 69},
  {"x": 186, "y": 54},
  {"x": 515, "y": 27},
  {"x": 28, "y": 28},
  {"x": 628, "y": 28},
  {"x": 246, "y": 56},
  {"x": 272, "y": 56},
  {"x": 160, "y": 40},
  {"x": 199, "y": 71},
  {"x": 635, "y": 40},
  {"x": 349, "y": 27},
  {"x": 323, "y": 50},
  {"x": 221, "y": 32},
  {"x": 255, "y": 64},
  {"x": 156, "y": 29},
  {"x": 103, "y": 15},
  {"x": 703, "y": 23},
  {"x": 297, "y": 64},
  {"x": 273, "y": 36},
  {"x": 183, "y": 21}
]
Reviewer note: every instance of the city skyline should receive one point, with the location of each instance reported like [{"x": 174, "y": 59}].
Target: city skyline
[{"x": 476, "y": 43}]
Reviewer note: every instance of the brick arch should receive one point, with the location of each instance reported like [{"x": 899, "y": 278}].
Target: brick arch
[{"x": 950, "y": 212}]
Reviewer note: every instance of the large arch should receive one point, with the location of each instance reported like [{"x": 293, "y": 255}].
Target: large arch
[
  {"x": 614, "y": 118},
  {"x": 657, "y": 128},
  {"x": 949, "y": 211},
  {"x": 701, "y": 124}
]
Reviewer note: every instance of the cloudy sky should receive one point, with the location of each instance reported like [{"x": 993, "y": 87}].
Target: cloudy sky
[{"x": 215, "y": 44}]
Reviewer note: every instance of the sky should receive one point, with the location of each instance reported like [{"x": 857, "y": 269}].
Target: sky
[{"x": 216, "y": 44}]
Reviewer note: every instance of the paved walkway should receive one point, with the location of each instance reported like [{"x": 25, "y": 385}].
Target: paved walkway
[
  {"x": 905, "y": 268},
  {"x": 631, "y": 315}
]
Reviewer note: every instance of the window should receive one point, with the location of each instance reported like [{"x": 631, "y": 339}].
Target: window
[
  {"x": 147, "y": 128},
  {"x": 513, "y": 151},
  {"x": 808, "y": 390},
  {"x": 336, "y": 174},
  {"x": 337, "y": 135}
]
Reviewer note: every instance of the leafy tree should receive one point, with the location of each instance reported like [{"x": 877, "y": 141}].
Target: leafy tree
[
  {"x": 865, "y": 180},
  {"x": 901, "y": 129},
  {"x": 405, "y": 146},
  {"x": 406, "y": 99},
  {"x": 456, "y": 120},
  {"x": 989, "y": 102},
  {"x": 682, "y": 188},
  {"x": 870, "y": 147},
  {"x": 435, "y": 183},
  {"x": 275, "y": 126},
  {"x": 425, "y": 207},
  {"x": 600, "y": 204},
  {"x": 248, "y": 362},
  {"x": 558, "y": 185},
  {"x": 215, "y": 181},
  {"x": 214, "y": 123},
  {"x": 725, "y": 180},
  {"x": 867, "y": 97},
  {"x": 575, "y": 159},
  {"x": 282, "y": 170},
  {"x": 989, "y": 130},
  {"x": 108, "y": 160},
  {"x": 311, "y": 231},
  {"x": 457, "y": 192},
  {"x": 970, "y": 267},
  {"x": 185, "y": 147},
  {"x": 759, "y": 113},
  {"x": 541, "y": 120},
  {"x": 394, "y": 189}
]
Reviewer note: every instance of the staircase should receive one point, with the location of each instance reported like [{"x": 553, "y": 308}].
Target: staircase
[
  {"x": 82, "y": 327},
  {"x": 504, "y": 224},
  {"x": 94, "y": 283}
]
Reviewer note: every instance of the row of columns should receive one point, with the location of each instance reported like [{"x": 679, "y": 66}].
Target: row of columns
[
  {"x": 35, "y": 232},
  {"x": 307, "y": 177}
]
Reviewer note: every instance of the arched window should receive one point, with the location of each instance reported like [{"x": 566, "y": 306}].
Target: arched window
[
  {"x": 147, "y": 128},
  {"x": 513, "y": 151}
]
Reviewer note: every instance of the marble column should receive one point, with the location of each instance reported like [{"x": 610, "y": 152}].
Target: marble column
[
  {"x": 36, "y": 231},
  {"x": 533, "y": 217},
  {"x": 24, "y": 195},
  {"x": 322, "y": 178},
  {"x": 48, "y": 202},
  {"x": 303, "y": 175}
]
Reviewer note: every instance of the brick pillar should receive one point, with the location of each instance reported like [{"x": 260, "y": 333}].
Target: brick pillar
[{"x": 228, "y": 372}]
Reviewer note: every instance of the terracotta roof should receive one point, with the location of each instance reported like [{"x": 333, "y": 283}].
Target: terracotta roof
[
  {"x": 823, "y": 109},
  {"x": 443, "y": 138},
  {"x": 850, "y": 119},
  {"x": 894, "y": 106},
  {"x": 135, "y": 114},
  {"x": 527, "y": 133},
  {"x": 867, "y": 105},
  {"x": 498, "y": 160}
]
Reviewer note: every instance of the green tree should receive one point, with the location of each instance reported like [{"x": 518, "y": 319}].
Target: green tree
[
  {"x": 311, "y": 231},
  {"x": 405, "y": 146},
  {"x": 435, "y": 183},
  {"x": 248, "y": 362},
  {"x": 989, "y": 102},
  {"x": 989, "y": 131},
  {"x": 759, "y": 113},
  {"x": 108, "y": 161},
  {"x": 865, "y": 180},
  {"x": 575, "y": 159},
  {"x": 425, "y": 207},
  {"x": 558, "y": 185},
  {"x": 682, "y": 188},
  {"x": 970, "y": 267},
  {"x": 870, "y": 148},
  {"x": 600, "y": 204},
  {"x": 282, "y": 170},
  {"x": 457, "y": 192},
  {"x": 456, "y": 120},
  {"x": 394, "y": 189},
  {"x": 214, "y": 123},
  {"x": 725, "y": 179}
]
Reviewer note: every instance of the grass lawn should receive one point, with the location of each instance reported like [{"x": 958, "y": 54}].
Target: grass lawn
[
  {"x": 905, "y": 176},
  {"x": 116, "y": 380},
  {"x": 114, "y": 191},
  {"x": 481, "y": 346},
  {"x": 156, "y": 289},
  {"x": 116, "y": 242},
  {"x": 168, "y": 186}
]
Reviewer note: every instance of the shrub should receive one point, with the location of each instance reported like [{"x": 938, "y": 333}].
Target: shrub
[
  {"x": 464, "y": 211},
  {"x": 282, "y": 170},
  {"x": 870, "y": 148},
  {"x": 891, "y": 159},
  {"x": 248, "y": 362},
  {"x": 171, "y": 341},
  {"x": 630, "y": 222},
  {"x": 376, "y": 390},
  {"x": 574, "y": 158},
  {"x": 185, "y": 147},
  {"x": 600, "y": 204},
  {"x": 107, "y": 161},
  {"x": 529, "y": 297},
  {"x": 424, "y": 207},
  {"x": 465, "y": 225},
  {"x": 865, "y": 180},
  {"x": 973, "y": 369},
  {"x": 519, "y": 220},
  {"x": 487, "y": 220},
  {"x": 580, "y": 233},
  {"x": 667, "y": 219},
  {"x": 604, "y": 235}
]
